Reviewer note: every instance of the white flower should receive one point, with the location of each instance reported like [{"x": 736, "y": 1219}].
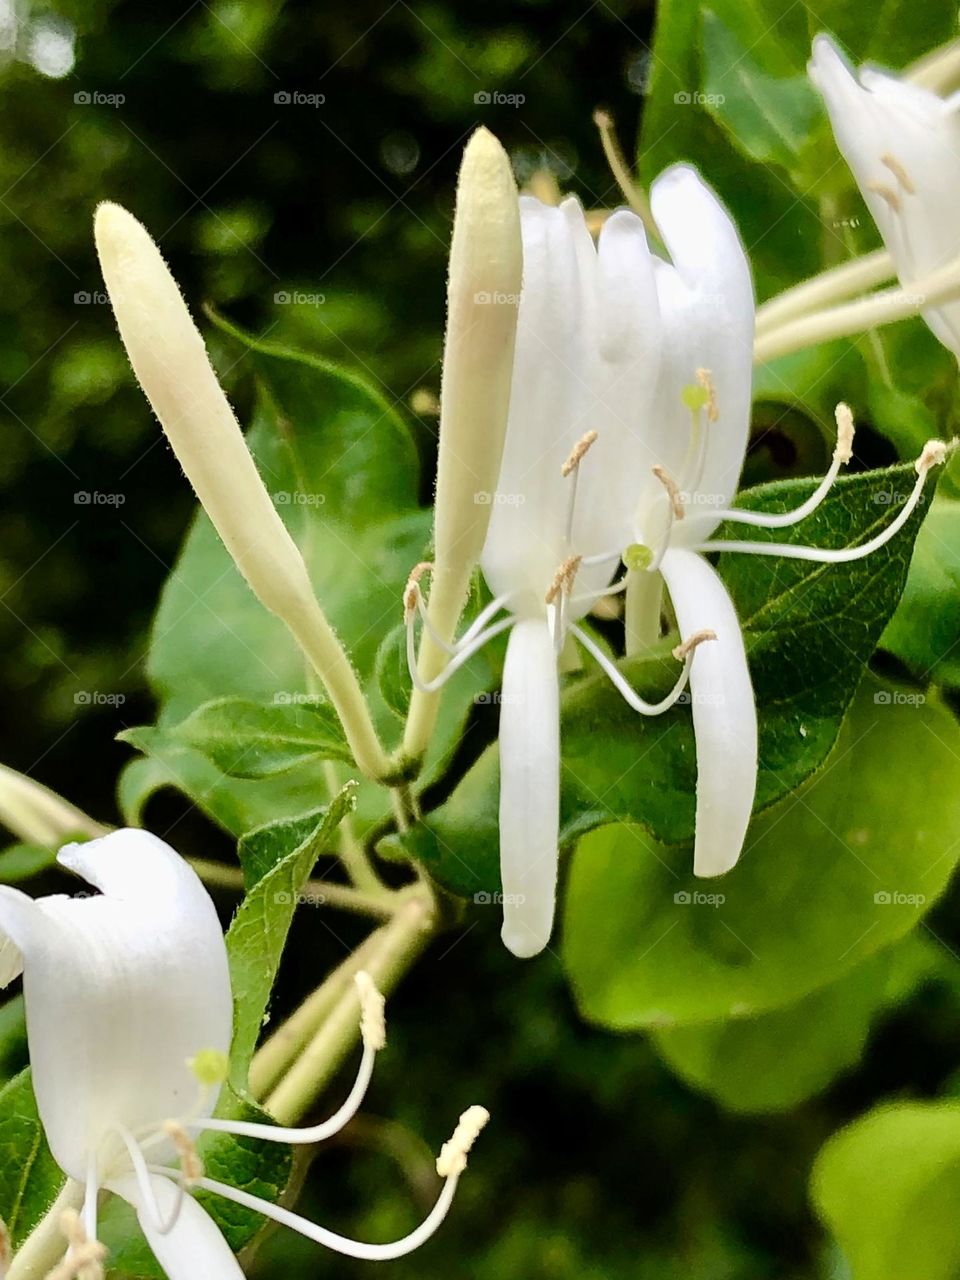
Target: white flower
[
  {"x": 629, "y": 420},
  {"x": 129, "y": 1008},
  {"x": 902, "y": 143}
]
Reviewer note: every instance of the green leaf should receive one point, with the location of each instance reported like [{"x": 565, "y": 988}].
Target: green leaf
[
  {"x": 770, "y": 119},
  {"x": 256, "y": 740},
  {"x": 809, "y": 629},
  {"x": 828, "y": 878},
  {"x": 30, "y": 1179},
  {"x": 13, "y": 1039},
  {"x": 887, "y": 1186},
  {"x": 22, "y": 861},
  {"x": 924, "y": 633},
  {"x": 259, "y": 930},
  {"x": 777, "y": 1059}
]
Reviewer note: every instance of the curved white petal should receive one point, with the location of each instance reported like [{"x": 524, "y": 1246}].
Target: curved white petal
[
  {"x": 11, "y": 962},
  {"x": 707, "y": 306},
  {"x": 121, "y": 988},
  {"x": 529, "y": 787},
  {"x": 624, "y": 370},
  {"x": 194, "y": 1246},
  {"x": 903, "y": 148},
  {"x": 555, "y": 327},
  {"x": 724, "y": 711}
]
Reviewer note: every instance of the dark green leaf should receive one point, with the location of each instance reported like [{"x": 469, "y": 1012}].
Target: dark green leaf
[
  {"x": 829, "y": 877},
  {"x": 257, "y": 739},
  {"x": 21, "y": 861},
  {"x": 777, "y": 1059},
  {"x": 769, "y": 118},
  {"x": 30, "y": 1179},
  {"x": 887, "y": 1186},
  {"x": 259, "y": 930},
  {"x": 925, "y": 630}
]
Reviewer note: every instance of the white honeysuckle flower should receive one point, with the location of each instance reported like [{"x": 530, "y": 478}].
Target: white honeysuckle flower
[
  {"x": 902, "y": 143},
  {"x": 629, "y": 422},
  {"x": 585, "y": 372},
  {"x": 129, "y": 1020}
]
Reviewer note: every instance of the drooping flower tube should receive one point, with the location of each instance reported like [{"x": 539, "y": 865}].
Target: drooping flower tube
[
  {"x": 902, "y": 143},
  {"x": 129, "y": 1020},
  {"x": 652, "y": 361}
]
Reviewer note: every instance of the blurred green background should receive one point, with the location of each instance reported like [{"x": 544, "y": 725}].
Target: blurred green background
[{"x": 599, "y": 1163}]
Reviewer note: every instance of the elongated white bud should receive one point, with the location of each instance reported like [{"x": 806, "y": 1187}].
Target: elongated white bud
[
  {"x": 38, "y": 815},
  {"x": 483, "y": 295},
  {"x": 171, "y": 364}
]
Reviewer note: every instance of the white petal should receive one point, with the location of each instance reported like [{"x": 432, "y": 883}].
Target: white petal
[
  {"x": 11, "y": 962},
  {"x": 724, "y": 711},
  {"x": 708, "y": 289},
  {"x": 880, "y": 117},
  {"x": 121, "y": 988},
  {"x": 548, "y": 401},
  {"x": 194, "y": 1247},
  {"x": 624, "y": 373},
  {"x": 529, "y": 787}
]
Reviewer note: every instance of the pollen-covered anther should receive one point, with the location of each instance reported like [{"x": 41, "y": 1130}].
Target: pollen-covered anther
[
  {"x": 84, "y": 1259},
  {"x": 899, "y": 172},
  {"x": 577, "y": 452},
  {"x": 932, "y": 455},
  {"x": 686, "y": 647},
  {"x": 373, "y": 1023},
  {"x": 885, "y": 193},
  {"x": 411, "y": 591},
  {"x": 191, "y": 1166},
  {"x": 845, "y": 429},
  {"x": 705, "y": 379},
  {"x": 452, "y": 1159},
  {"x": 563, "y": 579},
  {"x": 673, "y": 490}
]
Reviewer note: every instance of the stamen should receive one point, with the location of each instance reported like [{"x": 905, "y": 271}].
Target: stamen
[
  {"x": 934, "y": 453},
  {"x": 373, "y": 1026},
  {"x": 452, "y": 1159},
  {"x": 705, "y": 379},
  {"x": 635, "y": 196},
  {"x": 577, "y": 452},
  {"x": 673, "y": 491},
  {"x": 463, "y": 654},
  {"x": 622, "y": 685},
  {"x": 84, "y": 1258},
  {"x": 191, "y": 1166},
  {"x": 411, "y": 592},
  {"x": 842, "y": 454},
  {"x": 898, "y": 171},
  {"x": 845, "y": 429},
  {"x": 563, "y": 579},
  {"x": 886, "y": 193},
  {"x": 686, "y": 647}
]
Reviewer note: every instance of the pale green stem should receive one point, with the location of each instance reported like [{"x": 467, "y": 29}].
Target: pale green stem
[
  {"x": 641, "y": 620},
  {"x": 46, "y": 1243},
  {"x": 940, "y": 286},
  {"x": 38, "y": 815},
  {"x": 276, "y": 1054},
  {"x": 351, "y": 852},
  {"x": 325, "y": 893},
  {"x": 448, "y": 595},
  {"x": 826, "y": 288},
  {"x": 394, "y": 948},
  {"x": 938, "y": 71}
]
